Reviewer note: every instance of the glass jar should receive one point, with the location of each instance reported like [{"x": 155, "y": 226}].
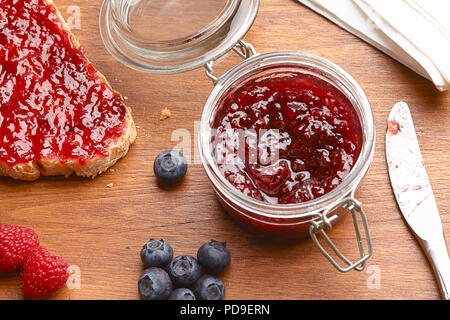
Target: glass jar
[
  {"x": 169, "y": 37},
  {"x": 301, "y": 219}
]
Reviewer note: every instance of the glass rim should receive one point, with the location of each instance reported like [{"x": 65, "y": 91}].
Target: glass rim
[
  {"x": 179, "y": 55},
  {"x": 302, "y": 209}
]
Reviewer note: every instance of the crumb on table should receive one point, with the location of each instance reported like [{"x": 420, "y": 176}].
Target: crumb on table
[
  {"x": 110, "y": 185},
  {"x": 165, "y": 114}
]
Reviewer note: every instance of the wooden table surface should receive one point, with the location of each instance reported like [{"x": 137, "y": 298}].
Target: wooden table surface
[{"x": 102, "y": 229}]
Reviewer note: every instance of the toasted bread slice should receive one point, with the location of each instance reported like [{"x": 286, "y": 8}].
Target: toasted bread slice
[{"x": 53, "y": 164}]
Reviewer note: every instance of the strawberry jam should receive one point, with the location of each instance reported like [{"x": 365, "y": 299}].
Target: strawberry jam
[
  {"x": 286, "y": 138},
  {"x": 53, "y": 103}
]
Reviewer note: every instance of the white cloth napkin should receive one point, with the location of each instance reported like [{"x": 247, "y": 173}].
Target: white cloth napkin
[{"x": 414, "y": 32}]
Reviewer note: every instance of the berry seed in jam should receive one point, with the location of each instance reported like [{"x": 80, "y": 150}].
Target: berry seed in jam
[{"x": 286, "y": 138}]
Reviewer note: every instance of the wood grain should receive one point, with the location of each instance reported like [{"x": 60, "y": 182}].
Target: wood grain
[{"x": 101, "y": 229}]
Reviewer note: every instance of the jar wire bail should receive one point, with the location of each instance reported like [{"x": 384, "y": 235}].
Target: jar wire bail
[
  {"x": 317, "y": 226},
  {"x": 244, "y": 49}
]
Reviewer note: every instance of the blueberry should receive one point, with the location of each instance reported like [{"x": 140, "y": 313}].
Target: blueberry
[
  {"x": 170, "y": 166},
  {"x": 154, "y": 284},
  {"x": 209, "y": 288},
  {"x": 214, "y": 256},
  {"x": 156, "y": 253},
  {"x": 182, "y": 294},
  {"x": 184, "y": 271}
]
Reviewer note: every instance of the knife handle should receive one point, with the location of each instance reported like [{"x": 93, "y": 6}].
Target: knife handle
[{"x": 438, "y": 256}]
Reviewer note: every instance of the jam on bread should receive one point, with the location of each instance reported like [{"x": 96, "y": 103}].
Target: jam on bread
[{"x": 58, "y": 114}]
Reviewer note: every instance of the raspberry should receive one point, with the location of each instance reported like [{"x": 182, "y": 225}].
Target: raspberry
[
  {"x": 43, "y": 274},
  {"x": 16, "y": 243}
]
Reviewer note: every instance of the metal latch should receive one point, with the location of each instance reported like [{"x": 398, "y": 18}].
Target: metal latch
[
  {"x": 243, "y": 49},
  {"x": 325, "y": 222}
]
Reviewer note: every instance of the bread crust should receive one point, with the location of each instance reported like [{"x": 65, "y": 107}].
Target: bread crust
[{"x": 32, "y": 170}]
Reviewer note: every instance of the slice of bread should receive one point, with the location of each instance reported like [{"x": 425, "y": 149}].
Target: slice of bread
[{"x": 54, "y": 165}]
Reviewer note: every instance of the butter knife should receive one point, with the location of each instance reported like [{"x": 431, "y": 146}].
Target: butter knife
[{"x": 413, "y": 192}]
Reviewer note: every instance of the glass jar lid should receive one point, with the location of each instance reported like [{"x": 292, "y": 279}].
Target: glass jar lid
[{"x": 161, "y": 36}]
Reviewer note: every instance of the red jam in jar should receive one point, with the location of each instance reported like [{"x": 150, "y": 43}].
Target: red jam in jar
[
  {"x": 286, "y": 138},
  {"x": 53, "y": 103}
]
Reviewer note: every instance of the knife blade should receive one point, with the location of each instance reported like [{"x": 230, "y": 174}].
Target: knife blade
[{"x": 413, "y": 192}]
